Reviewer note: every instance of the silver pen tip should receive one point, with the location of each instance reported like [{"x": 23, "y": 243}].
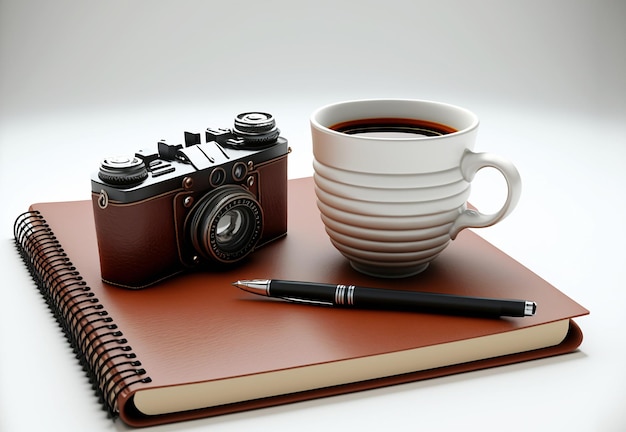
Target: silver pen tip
[{"x": 255, "y": 286}]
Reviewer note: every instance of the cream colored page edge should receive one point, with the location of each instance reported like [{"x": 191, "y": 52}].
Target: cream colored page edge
[{"x": 165, "y": 400}]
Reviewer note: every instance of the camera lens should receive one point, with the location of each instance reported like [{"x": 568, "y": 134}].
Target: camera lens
[
  {"x": 256, "y": 128},
  {"x": 226, "y": 224},
  {"x": 123, "y": 171},
  {"x": 230, "y": 228}
]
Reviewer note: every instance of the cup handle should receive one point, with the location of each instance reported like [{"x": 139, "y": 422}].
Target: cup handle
[{"x": 471, "y": 163}]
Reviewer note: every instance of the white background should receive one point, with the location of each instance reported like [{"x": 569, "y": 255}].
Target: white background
[{"x": 80, "y": 80}]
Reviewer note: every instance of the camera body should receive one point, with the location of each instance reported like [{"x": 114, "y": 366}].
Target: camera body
[{"x": 202, "y": 205}]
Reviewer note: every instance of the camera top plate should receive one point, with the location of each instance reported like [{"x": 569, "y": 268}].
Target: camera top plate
[{"x": 219, "y": 156}]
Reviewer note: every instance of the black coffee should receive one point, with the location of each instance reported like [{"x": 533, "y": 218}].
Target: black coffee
[{"x": 392, "y": 128}]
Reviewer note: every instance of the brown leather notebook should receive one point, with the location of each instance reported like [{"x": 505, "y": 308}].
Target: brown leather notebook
[{"x": 195, "y": 346}]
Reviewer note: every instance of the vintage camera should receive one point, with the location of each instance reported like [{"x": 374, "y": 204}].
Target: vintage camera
[{"x": 205, "y": 204}]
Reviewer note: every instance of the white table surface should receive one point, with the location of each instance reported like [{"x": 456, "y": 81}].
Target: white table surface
[{"x": 83, "y": 80}]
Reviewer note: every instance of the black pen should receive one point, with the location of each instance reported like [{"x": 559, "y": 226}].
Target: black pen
[{"x": 376, "y": 298}]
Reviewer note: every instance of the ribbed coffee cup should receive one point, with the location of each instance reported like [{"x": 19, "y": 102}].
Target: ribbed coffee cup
[{"x": 391, "y": 204}]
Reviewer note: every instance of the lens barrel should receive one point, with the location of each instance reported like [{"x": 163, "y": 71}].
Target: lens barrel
[{"x": 226, "y": 224}]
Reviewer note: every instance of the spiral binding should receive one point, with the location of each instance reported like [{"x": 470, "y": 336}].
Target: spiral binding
[{"x": 99, "y": 345}]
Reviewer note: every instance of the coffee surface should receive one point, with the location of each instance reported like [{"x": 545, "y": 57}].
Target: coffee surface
[{"x": 393, "y": 128}]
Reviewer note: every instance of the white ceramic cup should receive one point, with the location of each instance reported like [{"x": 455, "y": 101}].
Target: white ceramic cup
[{"x": 392, "y": 179}]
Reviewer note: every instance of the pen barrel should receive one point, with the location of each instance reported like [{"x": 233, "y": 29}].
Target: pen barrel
[
  {"x": 376, "y": 298},
  {"x": 303, "y": 290},
  {"x": 432, "y": 302}
]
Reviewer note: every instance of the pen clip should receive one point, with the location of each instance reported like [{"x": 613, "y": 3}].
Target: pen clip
[{"x": 309, "y": 302}]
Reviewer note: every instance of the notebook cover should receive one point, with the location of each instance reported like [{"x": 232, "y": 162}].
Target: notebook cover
[{"x": 197, "y": 327}]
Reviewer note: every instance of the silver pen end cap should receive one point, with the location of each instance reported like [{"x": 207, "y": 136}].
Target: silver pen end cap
[{"x": 530, "y": 309}]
